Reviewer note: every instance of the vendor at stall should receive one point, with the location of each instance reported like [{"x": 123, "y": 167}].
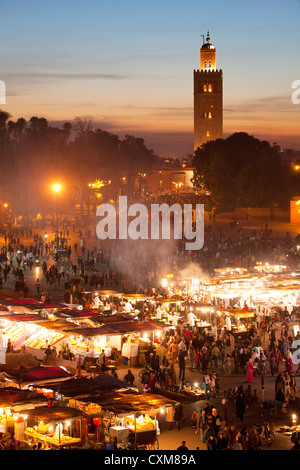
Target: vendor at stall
[
  {"x": 173, "y": 319},
  {"x": 96, "y": 302},
  {"x": 128, "y": 307},
  {"x": 191, "y": 318}
]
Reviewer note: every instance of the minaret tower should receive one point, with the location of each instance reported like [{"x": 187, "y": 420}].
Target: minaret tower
[{"x": 208, "y": 97}]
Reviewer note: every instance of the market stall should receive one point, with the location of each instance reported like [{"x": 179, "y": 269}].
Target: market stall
[
  {"x": 32, "y": 332},
  {"x": 55, "y": 427},
  {"x": 131, "y": 418},
  {"x": 127, "y": 338},
  {"x": 14, "y": 405},
  {"x": 242, "y": 321}
]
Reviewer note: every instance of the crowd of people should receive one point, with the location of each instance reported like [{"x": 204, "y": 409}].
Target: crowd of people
[{"x": 213, "y": 354}]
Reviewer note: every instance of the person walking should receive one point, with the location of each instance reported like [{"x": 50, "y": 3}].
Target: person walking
[
  {"x": 223, "y": 412},
  {"x": 272, "y": 362},
  {"x": 191, "y": 356},
  {"x": 183, "y": 447},
  {"x": 181, "y": 363},
  {"x": 207, "y": 385},
  {"x": 211, "y": 443},
  {"x": 293, "y": 386},
  {"x": 279, "y": 389},
  {"x": 101, "y": 360},
  {"x": 38, "y": 285},
  {"x": 286, "y": 386},
  {"x": 178, "y": 416},
  {"x": 289, "y": 362},
  {"x": 250, "y": 371},
  {"x": 227, "y": 365},
  {"x": 204, "y": 359},
  {"x": 240, "y": 403},
  {"x": 174, "y": 350},
  {"x": 278, "y": 358},
  {"x": 14, "y": 444},
  {"x": 201, "y": 424},
  {"x": 215, "y": 355}
]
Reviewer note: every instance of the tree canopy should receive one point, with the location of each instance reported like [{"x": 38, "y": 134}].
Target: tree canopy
[
  {"x": 242, "y": 171},
  {"x": 33, "y": 153}
]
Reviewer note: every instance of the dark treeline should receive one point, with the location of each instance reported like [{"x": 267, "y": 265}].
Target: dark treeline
[
  {"x": 242, "y": 171},
  {"x": 34, "y": 155}
]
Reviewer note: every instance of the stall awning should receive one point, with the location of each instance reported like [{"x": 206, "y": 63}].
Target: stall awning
[
  {"x": 241, "y": 312},
  {"x": 122, "y": 403},
  {"x": 78, "y": 387},
  {"x": 113, "y": 318},
  {"x": 75, "y": 313},
  {"x": 24, "y": 317},
  {"x": 45, "y": 306},
  {"x": 136, "y": 297},
  {"x": 11, "y": 397},
  {"x": 54, "y": 413},
  {"x": 118, "y": 328},
  {"x": 7, "y": 300},
  {"x": 110, "y": 293},
  {"x": 36, "y": 374}
]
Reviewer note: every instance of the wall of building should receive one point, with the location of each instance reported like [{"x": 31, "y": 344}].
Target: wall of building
[{"x": 170, "y": 180}]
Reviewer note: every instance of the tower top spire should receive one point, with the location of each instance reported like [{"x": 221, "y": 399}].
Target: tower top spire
[{"x": 207, "y": 45}]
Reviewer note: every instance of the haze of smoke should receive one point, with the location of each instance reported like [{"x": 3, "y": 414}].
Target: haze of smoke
[
  {"x": 145, "y": 262},
  {"x": 192, "y": 271}
]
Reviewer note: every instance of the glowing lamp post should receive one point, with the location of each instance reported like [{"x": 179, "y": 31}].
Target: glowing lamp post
[{"x": 56, "y": 188}]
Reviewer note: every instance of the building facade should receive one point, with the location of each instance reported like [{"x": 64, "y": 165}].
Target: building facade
[{"x": 208, "y": 97}]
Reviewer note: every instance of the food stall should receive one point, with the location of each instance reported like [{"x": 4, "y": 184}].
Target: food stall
[
  {"x": 115, "y": 410},
  {"x": 104, "y": 298},
  {"x": 55, "y": 427},
  {"x": 14, "y": 405},
  {"x": 131, "y": 418},
  {"x": 241, "y": 321},
  {"x": 193, "y": 391},
  {"x": 170, "y": 311},
  {"x": 127, "y": 338},
  {"x": 32, "y": 332}
]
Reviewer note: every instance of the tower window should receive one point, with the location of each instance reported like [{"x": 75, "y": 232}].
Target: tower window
[
  {"x": 210, "y": 88},
  {"x": 205, "y": 88},
  {"x": 209, "y": 63},
  {"x": 207, "y": 134},
  {"x": 207, "y": 115}
]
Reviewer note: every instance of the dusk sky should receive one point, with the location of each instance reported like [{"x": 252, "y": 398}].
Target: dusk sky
[{"x": 128, "y": 65}]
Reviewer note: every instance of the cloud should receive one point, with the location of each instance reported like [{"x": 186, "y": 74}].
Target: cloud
[
  {"x": 66, "y": 75},
  {"x": 163, "y": 110},
  {"x": 254, "y": 108}
]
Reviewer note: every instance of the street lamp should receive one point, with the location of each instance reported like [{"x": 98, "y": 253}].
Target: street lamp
[{"x": 56, "y": 188}]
